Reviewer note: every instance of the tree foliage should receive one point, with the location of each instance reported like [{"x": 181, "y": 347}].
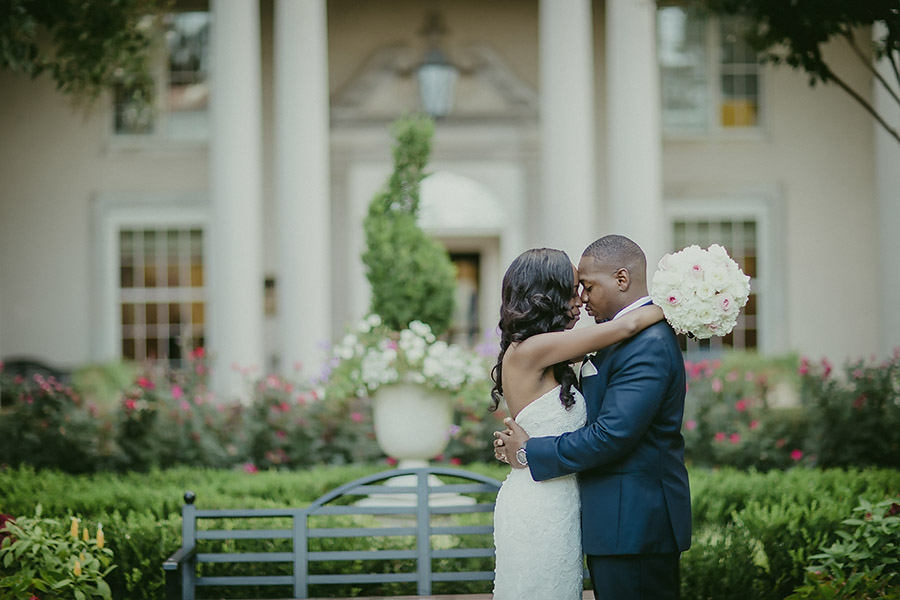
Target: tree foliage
[
  {"x": 795, "y": 32},
  {"x": 411, "y": 275},
  {"x": 86, "y": 46}
]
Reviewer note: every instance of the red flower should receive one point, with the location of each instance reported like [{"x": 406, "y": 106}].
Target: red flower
[
  {"x": 803, "y": 369},
  {"x": 456, "y": 461},
  {"x": 197, "y": 353},
  {"x": 249, "y": 467},
  {"x": 145, "y": 383},
  {"x": 741, "y": 405},
  {"x": 796, "y": 454},
  {"x": 859, "y": 402},
  {"x": 356, "y": 417},
  {"x": 826, "y": 364},
  {"x": 720, "y": 436},
  {"x": 391, "y": 461},
  {"x": 754, "y": 424},
  {"x": 690, "y": 425},
  {"x": 735, "y": 438},
  {"x": 893, "y": 510}
]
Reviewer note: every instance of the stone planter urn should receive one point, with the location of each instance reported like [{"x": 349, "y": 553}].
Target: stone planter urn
[{"x": 412, "y": 422}]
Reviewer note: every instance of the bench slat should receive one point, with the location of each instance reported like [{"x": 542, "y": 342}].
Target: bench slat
[
  {"x": 248, "y": 513},
  {"x": 246, "y": 580},
  {"x": 360, "y": 555},
  {"x": 242, "y": 557},
  {"x": 364, "y": 578},
  {"x": 463, "y": 576},
  {"x": 245, "y": 534},
  {"x": 332, "y": 532},
  {"x": 463, "y": 553},
  {"x": 474, "y": 508},
  {"x": 462, "y": 530}
]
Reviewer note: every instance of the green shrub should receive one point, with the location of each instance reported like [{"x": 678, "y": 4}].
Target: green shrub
[
  {"x": 864, "y": 562},
  {"x": 411, "y": 275},
  {"x": 721, "y": 565},
  {"x": 755, "y": 533}
]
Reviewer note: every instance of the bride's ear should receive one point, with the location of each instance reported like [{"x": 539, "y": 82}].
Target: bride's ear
[{"x": 623, "y": 279}]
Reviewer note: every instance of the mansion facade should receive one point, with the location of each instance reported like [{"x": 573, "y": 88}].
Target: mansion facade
[{"x": 231, "y": 217}]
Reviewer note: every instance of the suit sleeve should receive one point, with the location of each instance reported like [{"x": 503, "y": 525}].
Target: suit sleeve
[{"x": 639, "y": 377}]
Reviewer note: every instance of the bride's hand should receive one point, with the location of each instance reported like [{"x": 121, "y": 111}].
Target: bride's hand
[
  {"x": 499, "y": 449},
  {"x": 508, "y": 442}
]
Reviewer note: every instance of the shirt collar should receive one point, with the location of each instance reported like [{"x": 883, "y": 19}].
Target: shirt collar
[{"x": 636, "y": 304}]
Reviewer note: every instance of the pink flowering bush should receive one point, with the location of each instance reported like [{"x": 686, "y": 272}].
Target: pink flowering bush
[
  {"x": 737, "y": 415},
  {"x": 729, "y": 417},
  {"x": 290, "y": 427},
  {"x": 856, "y": 409},
  {"x": 47, "y": 422},
  {"x": 169, "y": 416}
]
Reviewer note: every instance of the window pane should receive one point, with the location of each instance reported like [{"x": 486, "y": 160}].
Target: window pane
[
  {"x": 739, "y": 78},
  {"x": 683, "y": 62},
  {"x": 167, "y": 310}
]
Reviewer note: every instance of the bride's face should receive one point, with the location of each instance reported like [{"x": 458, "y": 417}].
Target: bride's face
[{"x": 575, "y": 302}]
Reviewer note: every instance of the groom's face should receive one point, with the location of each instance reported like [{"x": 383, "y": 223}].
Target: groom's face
[{"x": 599, "y": 289}]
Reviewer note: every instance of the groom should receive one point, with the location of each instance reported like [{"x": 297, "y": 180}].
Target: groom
[{"x": 635, "y": 498}]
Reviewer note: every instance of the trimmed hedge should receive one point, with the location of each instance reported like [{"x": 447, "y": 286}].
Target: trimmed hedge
[{"x": 754, "y": 533}]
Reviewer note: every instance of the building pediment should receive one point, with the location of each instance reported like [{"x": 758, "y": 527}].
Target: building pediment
[{"x": 386, "y": 88}]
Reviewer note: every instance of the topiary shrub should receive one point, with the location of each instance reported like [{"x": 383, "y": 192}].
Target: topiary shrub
[{"x": 411, "y": 275}]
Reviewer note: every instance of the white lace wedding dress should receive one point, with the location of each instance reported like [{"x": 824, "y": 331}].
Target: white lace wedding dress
[{"x": 537, "y": 525}]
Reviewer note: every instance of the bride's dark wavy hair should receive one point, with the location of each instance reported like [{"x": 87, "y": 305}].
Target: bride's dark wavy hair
[{"x": 536, "y": 292}]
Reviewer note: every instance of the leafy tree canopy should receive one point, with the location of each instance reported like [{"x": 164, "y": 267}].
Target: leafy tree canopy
[
  {"x": 86, "y": 46},
  {"x": 794, "y": 32}
]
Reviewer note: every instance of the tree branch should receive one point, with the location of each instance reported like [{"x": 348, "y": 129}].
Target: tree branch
[
  {"x": 867, "y": 61},
  {"x": 862, "y": 101}
]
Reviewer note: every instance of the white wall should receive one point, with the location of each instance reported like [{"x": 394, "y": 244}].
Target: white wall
[{"x": 816, "y": 151}]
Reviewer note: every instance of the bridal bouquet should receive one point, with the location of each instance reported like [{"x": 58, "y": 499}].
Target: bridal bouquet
[
  {"x": 700, "y": 291},
  {"x": 372, "y": 355}
]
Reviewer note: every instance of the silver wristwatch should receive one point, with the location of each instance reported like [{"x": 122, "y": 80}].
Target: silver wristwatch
[{"x": 521, "y": 456}]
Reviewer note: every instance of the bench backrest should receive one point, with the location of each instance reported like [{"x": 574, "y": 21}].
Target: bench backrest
[{"x": 423, "y": 517}]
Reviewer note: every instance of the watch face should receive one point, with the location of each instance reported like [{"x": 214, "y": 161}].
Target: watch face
[{"x": 522, "y": 457}]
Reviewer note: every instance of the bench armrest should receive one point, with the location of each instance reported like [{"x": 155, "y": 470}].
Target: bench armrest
[{"x": 182, "y": 554}]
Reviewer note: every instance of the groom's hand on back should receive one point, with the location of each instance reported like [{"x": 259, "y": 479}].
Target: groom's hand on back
[{"x": 508, "y": 442}]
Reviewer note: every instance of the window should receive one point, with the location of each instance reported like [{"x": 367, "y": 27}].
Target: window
[
  {"x": 751, "y": 226},
  {"x": 183, "y": 86},
  {"x": 161, "y": 294},
  {"x": 710, "y": 78}
]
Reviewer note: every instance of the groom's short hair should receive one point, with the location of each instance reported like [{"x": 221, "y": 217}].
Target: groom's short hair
[{"x": 619, "y": 251}]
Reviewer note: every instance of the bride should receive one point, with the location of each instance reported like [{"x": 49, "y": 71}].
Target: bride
[{"x": 537, "y": 525}]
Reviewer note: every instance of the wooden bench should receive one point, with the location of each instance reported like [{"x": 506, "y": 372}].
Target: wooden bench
[{"x": 422, "y": 511}]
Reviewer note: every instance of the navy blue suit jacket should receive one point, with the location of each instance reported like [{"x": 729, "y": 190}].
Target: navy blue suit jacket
[{"x": 635, "y": 496}]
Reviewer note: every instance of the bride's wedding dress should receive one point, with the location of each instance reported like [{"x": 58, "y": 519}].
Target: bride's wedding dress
[{"x": 537, "y": 525}]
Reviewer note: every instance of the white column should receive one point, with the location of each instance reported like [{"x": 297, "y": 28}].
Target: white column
[
  {"x": 302, "y": 189},
  {"x": 633, "y": 117},
  {"x": 236, "y": 281},
  {"x": 887, "y": 186},
  {"x": 568, "y": 192}
]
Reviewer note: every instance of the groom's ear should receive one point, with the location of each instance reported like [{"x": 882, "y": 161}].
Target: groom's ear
[{"x": 623, "y": 279}]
